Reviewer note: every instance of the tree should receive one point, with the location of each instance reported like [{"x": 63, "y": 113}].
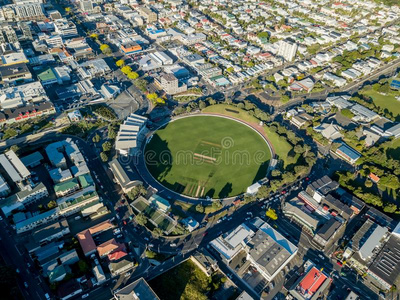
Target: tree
[
  {"x": 157, "y": 232},
  {"x": 106, "y": 146},
  {"x": 96, "y": 138},
  {"x": 211, "y": 101},
  {"x": 141, "y": 219},
  {"x": 150, "y": 254},
  {"x": 83, "y": 266},
  {"x": 271, "y": 213},
  {"x": 216, "y": 204},
  {"x": 276, "y": 173},
  {"x": 105, "y": 49},
  {"x": 103, "y": 156},
  {"x": 126, "y": 70},
  {"x": 94, "y": 36},
  {"x": 390, "y": 208},
  {"x": 112, "y": 134},
  {"x": 347, "y": 113},
  {"x": 14, "y": 148},
  {"x": 120, "y": 63},
  {"x": 230, "y": 70},
  {"x": 263, "y": 35},
  {"x": 200, "y": 208},
  {"x": 133, "y": 75},
  {"x": 368, "y": 183},
  {"x": 202, "y": 104},
  {"x": 298, "y": 149},
  {"x": 52, "y": 204},
  {"x": 137, "y": 191},
  {"x": 285, "y": 98},
  {"x": 262, "y": 192},
  {"x": 152, "y": 96}
]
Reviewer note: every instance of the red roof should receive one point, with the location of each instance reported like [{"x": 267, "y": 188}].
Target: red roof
[
  {"x": 116, "y": 255},
  {"x": 312, "y": 281},
  {"x": 374, "y": 178}
]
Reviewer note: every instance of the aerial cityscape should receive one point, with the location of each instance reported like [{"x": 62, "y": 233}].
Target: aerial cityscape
[{"x": 198, "y": 149}]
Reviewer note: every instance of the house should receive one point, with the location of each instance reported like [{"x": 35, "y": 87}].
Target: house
[
  {"x": 68, "y": 289},
  {"x": 190, "y": 223},
  {"x": 75, "y": 116},
  {"x": 138, "y": 289},
  {"x": 37, "y": 220},
  {"x": 329, "y": 131},
  {"x": 108, "y": 247},
  {"x": 117, "y": 267},
  {"x": 205, "y": 261},
  {"x": 85, "y": 237}
]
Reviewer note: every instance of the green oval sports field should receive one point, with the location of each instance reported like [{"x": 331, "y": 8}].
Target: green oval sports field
[{"x": 202, "y": 156}]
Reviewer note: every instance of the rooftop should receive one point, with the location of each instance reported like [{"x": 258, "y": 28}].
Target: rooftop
[{"x": 137, "y": 290}]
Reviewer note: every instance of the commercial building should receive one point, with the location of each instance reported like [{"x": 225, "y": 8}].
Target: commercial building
[
  {"x": 205, "y": 261},
  {"x": 18, "y": 96},
  {"x": 124, "y": 175},
  {"x": 328, "y": 234},
  {"x": 348, "y": 154},
  {"x": 15, "y": 73},
  {"x": 385, "y": 269},
  {"x": 269, "y": 252},
  {"x": 170, "y": 84},
  {"x": 313, "y": 285},
  {"x": 130, "y": 135},
  {"x": 148, "y": 14},
  {"x": 29, "y": 11},
  {"x": 287, "y": 49},
  {"x": 86, "y": 6},
  {"x": 296, "y": 210},
  {"x": 14, "y": 167},
  {"x": 32, "y": 160},
  {"x": 131, "y": 47},
  {"x": 47, "y": 233}
]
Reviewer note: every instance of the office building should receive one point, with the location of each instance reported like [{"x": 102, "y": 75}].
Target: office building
[{"x": 287, "y": 49}]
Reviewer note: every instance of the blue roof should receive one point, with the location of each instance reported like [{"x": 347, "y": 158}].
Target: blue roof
[
  {"x": 350, "y": 152},
  {"x": 395, "y": 84}
]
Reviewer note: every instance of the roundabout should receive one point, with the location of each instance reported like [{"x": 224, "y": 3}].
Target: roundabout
[{"x": 207, "y": 156}]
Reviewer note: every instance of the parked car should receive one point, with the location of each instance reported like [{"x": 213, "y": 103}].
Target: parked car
[
  {"x": 85, "y": 296},
  {"x": 26, "y": 284},
  {"x": 172, "y": 245}
]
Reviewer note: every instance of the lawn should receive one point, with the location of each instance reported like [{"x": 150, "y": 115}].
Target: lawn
[
  {"x": 280, "y": 144},
  {"x": 389, "y": 102},
  {"x": 185, "y": 282},
  {"x": 207, "y": 156},
  {"x": 230, "y": 110},
  {"x": 394, "y": 149}
]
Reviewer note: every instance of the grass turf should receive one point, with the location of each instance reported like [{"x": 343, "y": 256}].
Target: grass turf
[
  {"x": 384, "y": 101},
  {"x": 280, "y": 144},
  {"x": 207, "y": 156}
]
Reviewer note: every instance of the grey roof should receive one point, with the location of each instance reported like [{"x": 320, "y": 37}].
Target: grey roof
[
  {"x": 395, "y": 130},
  {"x": 12, "y": 70},
  {"x": 123, "y": 173},
  {"x": 296, "y": 206},
  {"x": 267, "y": 252},
  {"x": 337, "y": 205},
  {"x": 387, "y": 263},
  {"x": 137, "y": 290},
  {"x": 49, "y": 230},
  {"x": 328, "y": 229},
  {"x": 31, "y": 159}
]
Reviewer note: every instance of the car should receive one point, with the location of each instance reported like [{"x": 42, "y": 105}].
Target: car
[
  {"x": 116, "y": 231},
  {"x": 47, "y": 296},
  {"x": 26, "y": 284},
  {"x": 127, "y": 274},
  {"x": 321, "y": 256},
  {"x": 85, "y": 296},
  {"x": 248, "y": 218},
  {"x": 146, "y": 238},
  {"x": 283, "y": 192},
  {"x": 339, "y": 263},
  {"x": 249, "y": 213},
  {"x": 150, "y": 245},
  {"x": 96, "y": 261},
  {"x": 119, "y": 236},
  {"x": 172, "y": 245},
  {"x": 17, "y": 270},
  {"x": 205, "y": 233},
  {"x": 219, "y": 221}
]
